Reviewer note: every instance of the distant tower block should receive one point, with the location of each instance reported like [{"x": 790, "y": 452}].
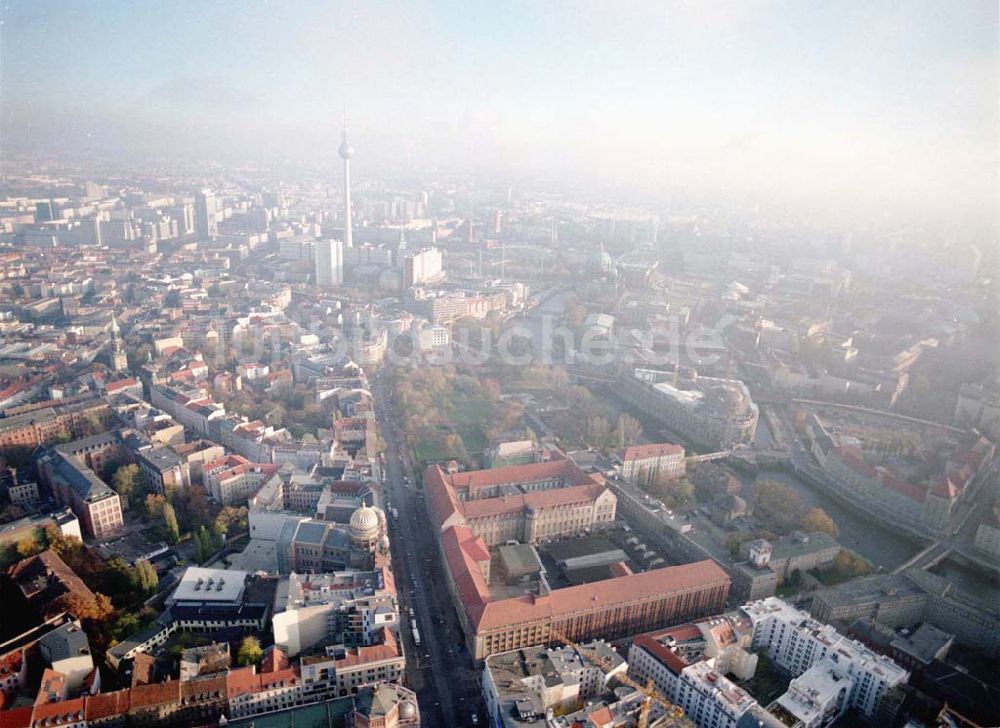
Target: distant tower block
[
  {"x": 206, "y": 224},
  {"x": 329, "y": 263}
]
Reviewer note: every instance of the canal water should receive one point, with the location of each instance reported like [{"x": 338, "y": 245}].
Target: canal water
[{"x": 879, "y": 545}]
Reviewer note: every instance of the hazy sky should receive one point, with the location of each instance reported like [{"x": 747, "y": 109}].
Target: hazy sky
[{"x": 841, "y": 105}]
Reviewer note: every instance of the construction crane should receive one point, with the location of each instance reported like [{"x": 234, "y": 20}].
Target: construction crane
[{"x": 650, "y": 694}]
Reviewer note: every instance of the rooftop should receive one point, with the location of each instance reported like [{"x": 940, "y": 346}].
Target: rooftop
[
  {"x": 302, "y": 590},
  {"x": 640, "y": 452},
  {"x": 602, "y": 594},
  {"x": 515, "y": 675},
  {"x": 210, "y": 585},
  {"x": 162, "y": 458},
  {"x": 925, "y": 643},
  {"x": 869, "y": 589},
  {"x": 44, "y": 578},
  {"x": 65, "y": 642},
  {"x": 83, "y": 481}
]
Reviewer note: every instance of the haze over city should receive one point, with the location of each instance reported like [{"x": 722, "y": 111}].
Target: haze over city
[
  {"x": 880, "y": 109},
  {"x": 527, "y": 365}
]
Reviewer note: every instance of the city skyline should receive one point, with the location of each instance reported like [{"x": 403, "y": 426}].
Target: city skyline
[{"x": 882, "y": 111}]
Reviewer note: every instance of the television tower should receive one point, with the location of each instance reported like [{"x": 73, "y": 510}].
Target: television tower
[{"x": 346, "y": 151}]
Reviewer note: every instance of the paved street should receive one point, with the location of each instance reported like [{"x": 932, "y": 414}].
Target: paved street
[{"x": 440, "y": 670}]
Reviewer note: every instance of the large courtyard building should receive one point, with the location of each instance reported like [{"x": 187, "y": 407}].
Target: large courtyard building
[
  {"x": 43, "y": 425},
  {"x": 474, "y": 512},
  {"x": 232, "y": 479},
  {"x": 709, "y": 411},
  {"x": 894, "y": 476},
  {"x": 915, "y": 595},
  {"x": 496, "y": 620},
  {"x": 768, "y": 565},
  {"x": 523, "y": 503}
]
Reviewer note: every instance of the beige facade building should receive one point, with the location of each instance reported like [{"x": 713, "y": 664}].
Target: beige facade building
[
  {"x": 92, "y": 501},
  {"x": 648, "y": 463},
  {"x": 525, "y": 503}
]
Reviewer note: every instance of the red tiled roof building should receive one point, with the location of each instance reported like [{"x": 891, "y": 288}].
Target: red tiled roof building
[{"x": 525, "y": 503}]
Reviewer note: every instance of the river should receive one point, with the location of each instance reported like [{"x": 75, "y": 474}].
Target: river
[{"x": 880, "y": 546}]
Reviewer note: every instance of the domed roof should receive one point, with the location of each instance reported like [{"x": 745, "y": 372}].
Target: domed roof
[
  {"x": 407, "y": 710},
  {"x": 364, "y": 523}
]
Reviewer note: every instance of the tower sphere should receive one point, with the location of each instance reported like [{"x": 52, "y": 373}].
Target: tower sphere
[{"x": 346, "y": 151}]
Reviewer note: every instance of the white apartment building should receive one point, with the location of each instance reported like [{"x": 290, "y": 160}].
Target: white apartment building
[
  {"x": 232, "y": 480},
  {"x": 796, "y": 643},
  {"x": 433, "y": 336},
  {"x": 689, "y": 664},
  {"x": 329, "y": 263},
  {"x": 351, "y": 606}
]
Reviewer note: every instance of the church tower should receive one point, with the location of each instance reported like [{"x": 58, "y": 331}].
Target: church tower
[{"x": 119, "y": 362}]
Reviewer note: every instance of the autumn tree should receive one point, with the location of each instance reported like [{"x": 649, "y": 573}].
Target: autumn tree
[
  {"x": 154, "y": 505},
  {"x": 170, "y": 526},
  {"x": 92, "y": 425},
  {"x": 849, "y": 563},
  {"x": 674, "y": 492},
  {"x": 103, "y": 608},
  {"x": 29, "y": 545},
  {"x": 144, "y": 577},
  {"x": 250, "y": 652},
  {"x": 627, "y": 431},
  {"x": 777, "y": 506},
  {"x": 86, "y": 563},
  {"x": 231, "y": 519},
  {"x": 86, "y": 607},
  {"x": 126, "y": 482},
  {"x": 816, "y": 519},
  {"x": 575, "y": 313},
  {"x": 192, "y": 507},
  {"x": 598, "y": 432}
]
